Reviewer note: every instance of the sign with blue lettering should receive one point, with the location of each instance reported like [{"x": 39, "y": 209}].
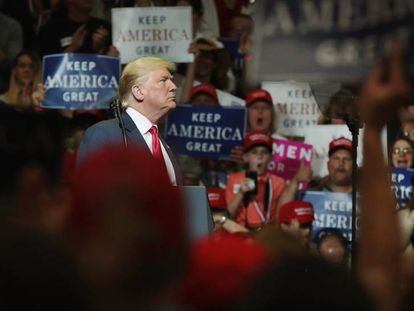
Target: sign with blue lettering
[
  {"x": 328, "y": 40},
  {"x": 402, "y": 185},
  {"x": 332, "y": 210},
  {"x": 205, "y": 132},
  {"x": 80, "y": 81}
]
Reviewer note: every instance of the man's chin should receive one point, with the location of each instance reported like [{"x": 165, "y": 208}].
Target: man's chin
[
  {"x": 342, "y": 182},
  {"x": 171, "y": 104}
]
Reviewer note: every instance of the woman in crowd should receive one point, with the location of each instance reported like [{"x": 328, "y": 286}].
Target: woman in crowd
[
  {"x": 23, "y": 76},
  {"x": 402, "y": 153}
]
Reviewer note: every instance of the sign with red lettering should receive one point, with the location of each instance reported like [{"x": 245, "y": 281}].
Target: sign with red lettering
[
  {"x": 164, "y": 32},
  {"x": 295, "y": 106},
  {"x": 287, "y": 156}
]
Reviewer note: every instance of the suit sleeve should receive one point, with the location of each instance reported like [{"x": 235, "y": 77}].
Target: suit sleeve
[{"x": 95, "y": 138}]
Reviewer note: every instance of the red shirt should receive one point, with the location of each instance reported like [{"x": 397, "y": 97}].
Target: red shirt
[{"x": 252, "y": 216}]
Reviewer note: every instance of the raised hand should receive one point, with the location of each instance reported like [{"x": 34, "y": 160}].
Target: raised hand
[
  {"x": 78, "y": 39},
  {"x": 384, "y": 91},
  {"x": 304, "y": 173},
  {"x": 112, "y": 51},
  {"x": 98, "y": 39}
]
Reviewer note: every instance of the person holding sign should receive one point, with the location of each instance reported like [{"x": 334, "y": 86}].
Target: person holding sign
[
  {"x": 147, "y": 94},
  {"x": 76, "y": 30},
  {"x": 260, "y": 117},
  {"x": 260, "y": 111},
  {"x": 252, "y": 195}
]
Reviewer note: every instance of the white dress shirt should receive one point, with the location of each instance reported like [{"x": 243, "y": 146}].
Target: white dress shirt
[{"x": 144, "y": 125}]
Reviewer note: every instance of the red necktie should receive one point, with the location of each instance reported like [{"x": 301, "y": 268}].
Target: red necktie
[{"x": 156, "y": 146}]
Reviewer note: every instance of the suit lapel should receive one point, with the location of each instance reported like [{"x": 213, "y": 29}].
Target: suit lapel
[
  {"x": 133, "y": 134},
  {"x": 134, "y": 137}
]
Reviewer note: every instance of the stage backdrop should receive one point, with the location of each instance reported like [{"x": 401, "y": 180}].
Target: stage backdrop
[{"x": 330, "y": 40}]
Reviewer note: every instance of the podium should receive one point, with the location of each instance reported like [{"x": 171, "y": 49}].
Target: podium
[{"x": 199, "y": 220}]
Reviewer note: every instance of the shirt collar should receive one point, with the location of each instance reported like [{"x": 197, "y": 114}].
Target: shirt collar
[
  {"x": 265, "y": 177},
  {"x": 141, "y": 122}
]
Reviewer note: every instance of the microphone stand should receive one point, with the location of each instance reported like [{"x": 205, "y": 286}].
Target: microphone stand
[
  {"x": 115, "y": 106},
  {"x": 353, "y": 126}
]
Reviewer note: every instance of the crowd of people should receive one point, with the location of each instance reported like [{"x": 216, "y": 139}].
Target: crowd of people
[{"x": 91, "y": 212}]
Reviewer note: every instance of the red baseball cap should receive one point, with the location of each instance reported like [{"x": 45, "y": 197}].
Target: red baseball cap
[
  {"x": 302, "y": 211},
  {"x": 254, "y": 138},
  {"x": 220, "y": 270},
  {"x": 206, "y": 88},
  {"x": 216, "y": 197},
  {"x": 258, "y": 94},
  {"x": 340, "y": 143}
]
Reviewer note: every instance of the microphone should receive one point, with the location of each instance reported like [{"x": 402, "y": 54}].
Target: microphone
[{"x": 115, "y": 106}]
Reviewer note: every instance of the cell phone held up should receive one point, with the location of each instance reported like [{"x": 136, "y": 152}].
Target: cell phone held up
[{"x": 253, "y": 184}]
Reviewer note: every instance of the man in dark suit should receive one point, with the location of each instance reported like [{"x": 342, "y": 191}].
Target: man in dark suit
[{"x": 147, "y": 94}]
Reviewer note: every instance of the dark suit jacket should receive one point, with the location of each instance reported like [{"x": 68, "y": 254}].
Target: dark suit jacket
[{"x": 108, "y": 132}]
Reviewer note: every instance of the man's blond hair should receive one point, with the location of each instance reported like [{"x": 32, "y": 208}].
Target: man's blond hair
[{"x": 136, "y": 72}]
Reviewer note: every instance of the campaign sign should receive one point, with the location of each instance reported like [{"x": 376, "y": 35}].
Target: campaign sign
[
  {"x": 287, "y": 156},
  {"x": 295, "y": 106},
  {"x": 205, "y": 132},
  {"x": 229, "y": 100},
  {"x": 332, "y": 210},
  {"x": 79, "y": 81},
  {"x": 164, "y": 32},
  {"x": 401, "y": 185},
  {"x": 330, "y": 40}
]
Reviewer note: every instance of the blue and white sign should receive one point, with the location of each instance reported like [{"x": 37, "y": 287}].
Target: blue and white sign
[
  {"x": 402, "y": 185},
  {"x": 332, "y": 210},
  {"x": 80, "y": 81},
  {"x": 327, "y": 40},
  {"x": 205, "y": 132}
]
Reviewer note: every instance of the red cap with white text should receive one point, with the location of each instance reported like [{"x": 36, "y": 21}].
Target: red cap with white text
[
  {"x": 258, "y": 94},
  {"x": 216, "y": 197},
  {"x": 302, "y": 211},
  {"x": 340, "y": 143},
  {"x": 254, "y": 138}
]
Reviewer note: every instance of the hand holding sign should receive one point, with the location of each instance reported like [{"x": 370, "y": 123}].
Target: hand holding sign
[
  {"x": 304, "y": 172},
  {"x": 77, "y": 39},
  {"x": 38, "y": 94},
  {"x": 236, "y": 154},
  {"x": 99, "y": 38}
]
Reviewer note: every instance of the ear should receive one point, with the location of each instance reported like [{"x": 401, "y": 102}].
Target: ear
[
  {"x": 245, "y": 158},
  {"x": 137, "y": 93}
]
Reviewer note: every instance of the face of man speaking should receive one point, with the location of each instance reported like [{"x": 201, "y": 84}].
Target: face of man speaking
[
  {"x": 340, "y": 168},
  {"x": 158, "y": 94}
]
